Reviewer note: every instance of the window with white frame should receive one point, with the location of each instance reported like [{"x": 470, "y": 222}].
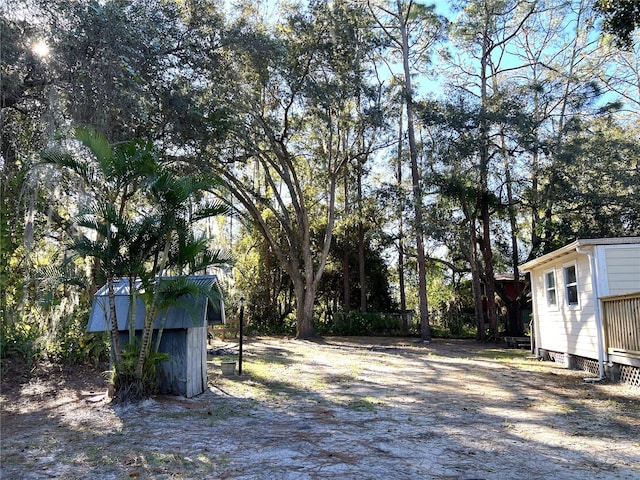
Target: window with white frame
[
  {"x": 550, "y": 286},
  {"x": 571, "y": 284}
]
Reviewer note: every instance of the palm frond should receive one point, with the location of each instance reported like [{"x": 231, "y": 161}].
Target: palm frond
[
  {"x": 63, "y": 159},
  {"x": 210, "y": 209},
  {"x": 135, "y": 161},
  {"x": 209, "y": 258},
  {"x": 181, "y": 291},
  {"x": 50, "y": 277},
  {"x": 98, "y": 146}
]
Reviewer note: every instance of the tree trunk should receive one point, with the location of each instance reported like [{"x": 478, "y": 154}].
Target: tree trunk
[
  {"x": 115, "y": 333},
  {"x": 403, "y": 295},
  {"x": 514, "y": 322},
  {"x": 362, "y": 269},
  {"x": 483, "y": 196},
  {"x": 475, "y": 279},
  {"x": 305, "y": 299},
  {"x": 425, "y": 328},
  {"x": 361, "y": 261},
  {"x": 150, "y": 311},
  {"x": 346, "y": 254},
  {"x": 489, "y": 276}
]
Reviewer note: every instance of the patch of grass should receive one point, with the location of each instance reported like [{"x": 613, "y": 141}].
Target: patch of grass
[
  {"x": 266, "y": 379},
  {"x": 567, "y": 407},
  {"x": 224, "y": 411},
  {"x": 214, "y": 413},
  {"x": 339, "y": 378},
  {"x": 163, "y": 464},
  {"x": 365, "y": 404},
  {"x": 502, "y": 354},
  {"x": 263, "y": 369},
  {"x": 96, "y": 456},
  {"x": 11, "y": 458}
]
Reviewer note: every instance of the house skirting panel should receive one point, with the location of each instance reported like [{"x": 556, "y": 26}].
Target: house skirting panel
[{"x": 614, "y": 371}]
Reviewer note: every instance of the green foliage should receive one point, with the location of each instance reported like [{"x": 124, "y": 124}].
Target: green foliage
[
  {"x": 59, "y": 337},
  {"x": 285, "y": 111},
  {"x": 451, "y": 304},
  {"x": 270, "y": 301},
  {"x": 73, "y": 345},
  {"x": 378, "y": 289},
  {"x": 11, "y": 268},
  {"x": 466, "y": 327},
  {"x": 283, "y": 326},
  {"x": 129, "y": 80},
  {"x": 593, "y": 182},
  {"x": 128, "y": 385},
  {"x": 21, "y": 340},
  {"x": 621, "y": 18},
  {"x": 358, "y": 323},
  {"x": 141, "y": 216}
]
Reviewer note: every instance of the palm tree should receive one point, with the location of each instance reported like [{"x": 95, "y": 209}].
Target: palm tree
[
  {"x": 138, "y": 219},
  {"x": 176, "y": 247},
  {"x": 110, "y": 175}
]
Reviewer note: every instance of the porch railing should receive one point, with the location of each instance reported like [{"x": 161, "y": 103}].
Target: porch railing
[{"x": 621, "y": 322}]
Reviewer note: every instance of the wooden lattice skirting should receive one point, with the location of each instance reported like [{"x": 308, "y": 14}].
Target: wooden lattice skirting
[
  {"x": 588, "y": 365},
  {"x": 630, "y": 375},
  {"x": 561, "y": 358},
  {"x": 627, "y": 374}
]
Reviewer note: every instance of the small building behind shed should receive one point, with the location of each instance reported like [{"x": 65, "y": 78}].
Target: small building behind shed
[{"x": 184, "y": 335}]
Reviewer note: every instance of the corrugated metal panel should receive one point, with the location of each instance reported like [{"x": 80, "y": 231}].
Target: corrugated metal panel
[{"x": 194, "y": 313}]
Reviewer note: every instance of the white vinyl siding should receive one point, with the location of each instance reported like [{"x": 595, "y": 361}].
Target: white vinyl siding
[
  {"x": 569, "y": 328},
  {"x": 565, "y": 328},
  {"x": 623, "y": 269}
]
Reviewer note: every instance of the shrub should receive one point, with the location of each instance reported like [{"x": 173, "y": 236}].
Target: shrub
[{"x": 20, "y": 339}]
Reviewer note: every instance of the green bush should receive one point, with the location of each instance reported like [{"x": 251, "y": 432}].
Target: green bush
[
  {"x": 127, "y": 387},
  {"x": 358, "y": 323},
  {"x": 62, "y": 341},
  {"x": 71, "y": 344},
  {"x": 286, "y": 326},
  {"x": 20, "y": 340},
  {"x": 462, "y": 328}
]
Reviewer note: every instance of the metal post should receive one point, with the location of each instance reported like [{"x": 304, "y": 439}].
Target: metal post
[{"x": 240, "y": 332}]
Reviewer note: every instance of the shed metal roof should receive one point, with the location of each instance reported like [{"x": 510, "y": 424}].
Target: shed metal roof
[{"x": 193, "y": 312}]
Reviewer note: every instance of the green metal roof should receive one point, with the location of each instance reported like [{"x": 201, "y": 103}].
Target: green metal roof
[{"x": 192, "y": 312}]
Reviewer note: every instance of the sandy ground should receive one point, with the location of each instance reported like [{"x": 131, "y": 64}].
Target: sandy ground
[{"x": 344, "y": 408}]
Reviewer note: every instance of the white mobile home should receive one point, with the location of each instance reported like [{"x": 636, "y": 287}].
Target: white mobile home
[{"x": 571, "y": 289}]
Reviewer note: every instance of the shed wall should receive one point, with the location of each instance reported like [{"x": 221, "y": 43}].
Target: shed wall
[
  {"x": 185, "y": 372},
  {"x": 197, "y": 381}
]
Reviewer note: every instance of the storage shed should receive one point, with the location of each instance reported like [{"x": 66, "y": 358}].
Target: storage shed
[
  {"x": 586, "y": 305},
  {"x": 184, "y": 336}
]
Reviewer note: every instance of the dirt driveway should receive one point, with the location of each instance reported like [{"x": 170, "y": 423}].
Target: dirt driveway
[{"x": 343, "y": 408}]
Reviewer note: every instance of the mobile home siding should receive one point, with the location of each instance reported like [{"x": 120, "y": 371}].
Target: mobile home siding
[
  {"x": 605, "y": 267},
  {"x": 566, "y": 328},
  {"x": 623, "y": 269}
]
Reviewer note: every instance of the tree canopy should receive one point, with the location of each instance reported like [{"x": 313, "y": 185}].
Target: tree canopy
[
  {"x": 354, "y": 141},
  {"x": 621, "y": 18}
]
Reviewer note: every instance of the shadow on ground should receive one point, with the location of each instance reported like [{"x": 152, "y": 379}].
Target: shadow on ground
[{"x": 352, "y": 408}]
